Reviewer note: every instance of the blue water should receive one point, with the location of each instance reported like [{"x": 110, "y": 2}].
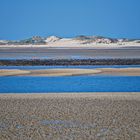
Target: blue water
[
  {"x": 78, "y": 66},
  {"x": 25, "y": 84}
]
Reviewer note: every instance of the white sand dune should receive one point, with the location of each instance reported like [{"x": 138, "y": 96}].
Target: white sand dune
[
  {"x": 93, "y": 42},
  {"x": 65, "y": 42}
]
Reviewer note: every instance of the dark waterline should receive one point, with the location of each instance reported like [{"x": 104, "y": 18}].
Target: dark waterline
[
  {"x": 23, "y": 84},
  {"x": 66, "y": 62}
]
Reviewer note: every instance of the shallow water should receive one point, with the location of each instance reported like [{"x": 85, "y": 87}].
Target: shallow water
[
  {"x": 25, "y": 84},
  {"x": 78, "y": 66}
]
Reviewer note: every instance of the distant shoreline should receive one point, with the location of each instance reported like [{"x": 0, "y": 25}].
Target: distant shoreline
[
  {"x": 74, "y": 46},
  {"x": 64, "y": 62}
]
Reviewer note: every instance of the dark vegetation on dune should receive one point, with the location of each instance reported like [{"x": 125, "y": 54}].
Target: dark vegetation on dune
[{"x": 32, "y": 62}]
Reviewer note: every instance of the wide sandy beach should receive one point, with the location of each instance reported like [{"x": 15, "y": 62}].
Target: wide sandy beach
[{"x": 77, "y": 116}]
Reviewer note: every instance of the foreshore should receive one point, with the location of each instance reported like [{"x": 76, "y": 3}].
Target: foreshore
[{"x": 77, "y": 116}]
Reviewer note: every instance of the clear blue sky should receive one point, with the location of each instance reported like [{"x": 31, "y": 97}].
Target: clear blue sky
[{"x": 21, "y": 19}]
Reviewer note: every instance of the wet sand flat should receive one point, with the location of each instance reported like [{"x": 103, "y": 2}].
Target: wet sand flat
[
  {"x": 64, "y": 53},
  {"x": 72, "y": 72},
  {"x": 80, "y": 116}
]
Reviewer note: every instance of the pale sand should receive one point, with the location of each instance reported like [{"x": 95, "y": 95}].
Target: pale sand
[
  {"x": 72, "y": 43},
  {"x": 120, "y": 71},
  {"x": 81, "y": 116},
  {"x": 72, "y": 72},
  {"x": 49, "y": 72},
  {"x": 8, "y": 72}
]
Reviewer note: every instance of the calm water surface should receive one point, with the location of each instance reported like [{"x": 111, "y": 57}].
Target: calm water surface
[
  {"x": 78, "y": 66},
  {"x": 25, "y": 84}
]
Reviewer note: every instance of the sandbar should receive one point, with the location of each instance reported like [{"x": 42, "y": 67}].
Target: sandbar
[
  {"x": 120, "y": 71},
  {"x": 72, "y": 72},
  {"x": 11, "y": 72}
]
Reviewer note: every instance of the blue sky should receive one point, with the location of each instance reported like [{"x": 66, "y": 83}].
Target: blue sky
[{"x": 21, "y": 19}]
